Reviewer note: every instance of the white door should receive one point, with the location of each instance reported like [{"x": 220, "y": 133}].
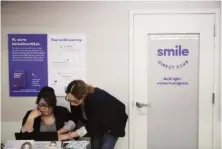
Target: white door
[{"x": 171, "y": 80}]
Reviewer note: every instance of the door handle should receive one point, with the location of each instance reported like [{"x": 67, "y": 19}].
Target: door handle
[{"x": 141, "y": 105}]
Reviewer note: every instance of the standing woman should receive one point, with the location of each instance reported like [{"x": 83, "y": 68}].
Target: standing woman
[{"x": 103, "y": 114}]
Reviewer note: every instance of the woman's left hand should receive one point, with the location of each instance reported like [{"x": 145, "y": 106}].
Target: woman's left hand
[
  {"x": 73, "y": 134},
  {"x": 62, "y": 131},
  {"x": 68, "y": 136},
  {"x": 62, "y": 137}
]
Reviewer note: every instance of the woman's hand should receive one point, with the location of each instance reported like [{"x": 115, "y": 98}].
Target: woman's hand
[
  {"x": 28, "y": 127},
  {"x": 73, "y": 134},
  {"x": 34, "y": 114},
  {"x": 67, "y": 136},
  {"x": 62, "y": 131},
  {"x": 62, "y": 137}
]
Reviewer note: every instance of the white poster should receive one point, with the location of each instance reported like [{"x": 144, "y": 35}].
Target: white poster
[{"x": 66, "y": 60}]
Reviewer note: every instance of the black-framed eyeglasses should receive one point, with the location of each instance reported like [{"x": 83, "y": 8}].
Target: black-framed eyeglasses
[{"x": 44, "y": 106}]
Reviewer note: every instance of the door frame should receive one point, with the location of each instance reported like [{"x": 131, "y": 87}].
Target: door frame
[{"x": 216, "y": 132}]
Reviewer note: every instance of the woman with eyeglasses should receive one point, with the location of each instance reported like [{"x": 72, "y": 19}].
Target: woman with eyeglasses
[
  {"x": 47, "y": 116},
  {"x": 104, "y": 115}
]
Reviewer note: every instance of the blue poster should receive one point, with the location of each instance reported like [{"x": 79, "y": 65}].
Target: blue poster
[{"x": 27, "y": 63}]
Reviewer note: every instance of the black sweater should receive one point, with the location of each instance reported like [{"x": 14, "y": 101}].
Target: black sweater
[
  {"x": 105, "y": 114},
  {"x": 61, "y": 114}
]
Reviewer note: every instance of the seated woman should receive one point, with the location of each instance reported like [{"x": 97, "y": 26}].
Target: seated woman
[{"x": 47, "y": 116}]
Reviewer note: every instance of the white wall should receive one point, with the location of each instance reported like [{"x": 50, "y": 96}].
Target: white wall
[
  {"x": 220, "y": 82},
  {"x": 106, "y": 27}
]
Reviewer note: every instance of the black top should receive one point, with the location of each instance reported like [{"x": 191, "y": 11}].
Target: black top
[
  {"x": 61, "y": 114},
  {"x": 104, "y": 114}
]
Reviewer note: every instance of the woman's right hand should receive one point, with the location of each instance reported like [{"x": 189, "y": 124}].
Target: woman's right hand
[
  {"x": 63, "y": 137},
  {"x": 28, "y": 127},
  {"x": 34, "y": 114},
  {"x": 67, "y": 136}
]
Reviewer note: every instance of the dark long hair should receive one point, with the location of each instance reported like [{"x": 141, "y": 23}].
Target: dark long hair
[{"x": 48, "y": 94}]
